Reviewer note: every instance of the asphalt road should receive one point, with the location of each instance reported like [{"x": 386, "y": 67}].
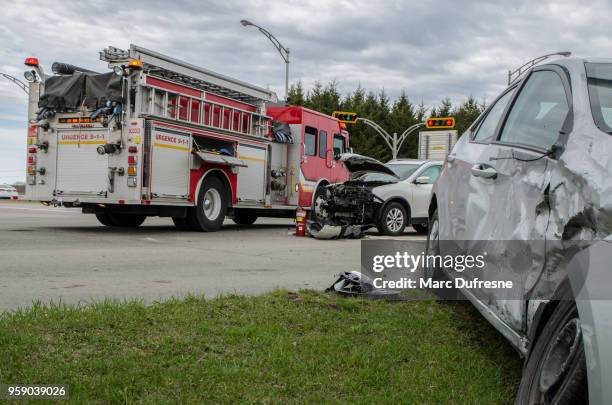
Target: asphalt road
[{"x": 61, "y": 255}]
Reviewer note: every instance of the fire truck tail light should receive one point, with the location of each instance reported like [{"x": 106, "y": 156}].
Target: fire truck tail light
[
  {"x": 31, "y": 61},
  {"x": 133, "y": 149},
  {"x": 30, "y": 169},
  {"x": 131, "y": 171},
  {"x": 132, "y": 160},
  {"x": 31, "y": 160},
  {"x": 31, "y": 150}
]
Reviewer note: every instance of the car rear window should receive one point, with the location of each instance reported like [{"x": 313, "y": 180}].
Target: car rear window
[{"x": 599, "y": 80}]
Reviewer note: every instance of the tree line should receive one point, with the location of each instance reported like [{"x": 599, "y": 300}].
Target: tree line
[{"x": 394, "y": 116}]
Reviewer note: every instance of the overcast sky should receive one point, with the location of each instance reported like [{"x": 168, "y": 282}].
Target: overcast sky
[{"x": 429, "y": 49}]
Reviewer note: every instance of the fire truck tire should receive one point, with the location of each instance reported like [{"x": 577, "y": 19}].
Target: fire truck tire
[
  {"x": 181, "y": 224},
  {"x": 105, "y": 219},
  {"x": 244, "y": 219},
  {"x": 212, "y": 206},
  {"x": 127, "y": 220}
]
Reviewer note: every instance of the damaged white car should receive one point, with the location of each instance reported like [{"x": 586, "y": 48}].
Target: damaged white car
[{"x": 386, "y": 196}]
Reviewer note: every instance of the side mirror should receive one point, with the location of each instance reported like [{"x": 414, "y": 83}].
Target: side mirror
[{"x": 422, "y": 180}]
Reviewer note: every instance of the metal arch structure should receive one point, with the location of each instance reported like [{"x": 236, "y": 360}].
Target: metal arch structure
[
  {"x": 282, "y": 50},
  {"x": 404, "y": 135},
  {"x": 18, "y": 82},
  {"x": 393, "y": 141},
  {"x": 379, "y": 130}
]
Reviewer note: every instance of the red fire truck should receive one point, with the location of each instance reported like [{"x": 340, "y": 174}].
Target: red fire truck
[{"x": 156, "y": 136}]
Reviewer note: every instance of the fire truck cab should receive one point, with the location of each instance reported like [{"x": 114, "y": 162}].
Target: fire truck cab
[{"x": 160, "y": 137}]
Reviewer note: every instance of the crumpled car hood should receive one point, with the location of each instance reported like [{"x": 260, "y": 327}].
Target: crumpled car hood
[{"x": 359, "y": 165}]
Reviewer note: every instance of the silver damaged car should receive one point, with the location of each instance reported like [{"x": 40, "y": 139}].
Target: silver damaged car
[{"x": 533, "y": 174}]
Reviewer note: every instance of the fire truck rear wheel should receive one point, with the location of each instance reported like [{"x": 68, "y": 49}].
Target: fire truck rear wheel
[
  {"x": 244, "y": 219},
  {"x": 105, "y": 219},
  {"x": 181, "y": 224},
  {"x": 212, "y": 206},
  {"x": 126, "y": 220}
]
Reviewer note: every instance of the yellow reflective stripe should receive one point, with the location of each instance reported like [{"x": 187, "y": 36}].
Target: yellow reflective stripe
[
  {"x": 254, "y": 159},
  {"x": 176, "y": 147},
  {"x": 81, "y": 142}
]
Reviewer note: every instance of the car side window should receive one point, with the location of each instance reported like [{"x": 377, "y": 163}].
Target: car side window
[
  {"x": 310, "y": 141},
  {"x": 432, "y": 172},
  {"x": 322, "y": 144},
  {"x": 339, "y": 146},
  {"x": 538, "y": 112},
  {"x": 486, "y": 130}
]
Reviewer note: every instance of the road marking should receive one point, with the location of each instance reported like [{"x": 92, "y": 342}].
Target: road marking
[{"x": 40, "y": 209}]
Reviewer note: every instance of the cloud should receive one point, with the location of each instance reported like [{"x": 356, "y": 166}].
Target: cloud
[{"x": 454, "y": 49}]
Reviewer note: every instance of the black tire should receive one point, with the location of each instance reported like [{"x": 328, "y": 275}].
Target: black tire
[
  {"x": 126, "y": 220},
  {"x": 210, "y": 211},
  {"x": 181, "y": 224},
  {"x": 393, "y": 219},
  {"x": 105, "y": 219},
  {"x": 420, "y": 228},
  {"x": 312, "y": 215},
  {"x": 432, "y": 248},
  {"x": 433, "y": 271},
  {"x": 543, "y": 370},
  {"x": 244, "y": 219}
]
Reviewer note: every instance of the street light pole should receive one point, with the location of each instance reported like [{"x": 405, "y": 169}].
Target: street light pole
[
  {"x": 283, "y": 51},
  {"x": 393, "y": 141},
  {"x": 18, "y": 82}
]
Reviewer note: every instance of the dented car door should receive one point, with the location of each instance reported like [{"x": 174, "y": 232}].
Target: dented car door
[{"x": 511, "y": 228}]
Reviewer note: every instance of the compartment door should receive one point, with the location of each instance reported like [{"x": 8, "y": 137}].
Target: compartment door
[
  {"x": 170, "y": 162},
  {"x": 80, "y": 169},
  {"x": 252, "y": 179}
]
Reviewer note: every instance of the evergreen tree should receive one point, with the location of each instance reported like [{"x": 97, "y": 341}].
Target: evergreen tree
[
  {"x": 296, "y": 94},
  {"x": 393, "y": 117}
]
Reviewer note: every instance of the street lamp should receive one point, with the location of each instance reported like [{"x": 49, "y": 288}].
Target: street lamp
[
  {"x": 284, "y": 52},
  {"x": 18, "y": 82}
]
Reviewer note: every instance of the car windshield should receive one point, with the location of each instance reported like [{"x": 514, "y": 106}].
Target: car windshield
[
  {"x": 403, "y": 171},
  {"x": 599, "y": 79}
]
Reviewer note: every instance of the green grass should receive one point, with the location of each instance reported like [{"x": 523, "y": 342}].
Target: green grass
[{"x": 304, "y": 347}]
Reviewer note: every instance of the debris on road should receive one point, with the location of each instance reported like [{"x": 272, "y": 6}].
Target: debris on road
[{"x": 353, "y": 283}]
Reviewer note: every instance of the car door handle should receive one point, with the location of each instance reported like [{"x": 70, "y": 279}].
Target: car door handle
[
  {"x": 484, "y": 170},
  {"x": 450, "y": 158}
]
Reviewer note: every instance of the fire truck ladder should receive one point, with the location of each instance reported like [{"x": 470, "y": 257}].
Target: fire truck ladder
[
  {"x": 166, "y": 104},
  {"x": 195, "y": 76}
]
